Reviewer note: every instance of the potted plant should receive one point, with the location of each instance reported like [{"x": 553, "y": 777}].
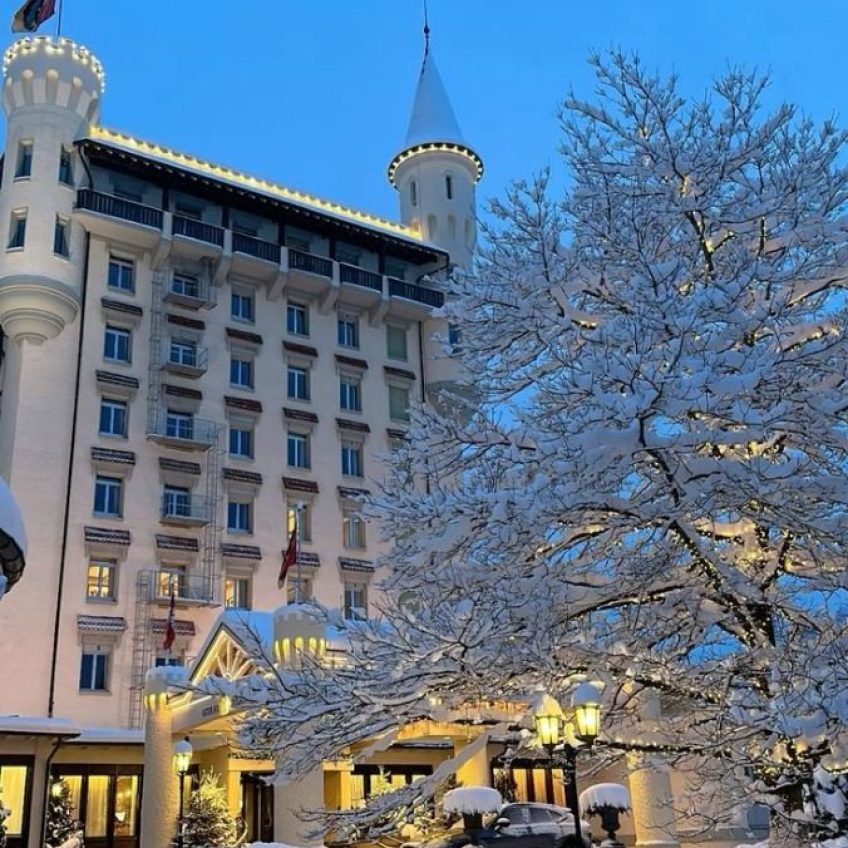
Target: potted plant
[{"x": 608, "y": 801}]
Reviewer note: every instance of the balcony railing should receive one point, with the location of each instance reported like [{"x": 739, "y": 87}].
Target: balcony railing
[
  {"x": 117, "y": 207},
  {"x": 185, "y": 432},
  {"x": 360, "y": 277},
  {"x": 190, "y": 361},
  {"x": 179, "y": 508},
  {"x": 266, "y": 250},
  {"x": 186, "y": 587},
  {"x": 198, "y": 230},
  {"x": 409, "y": 291},
  {"x": 309, "y": 262}
]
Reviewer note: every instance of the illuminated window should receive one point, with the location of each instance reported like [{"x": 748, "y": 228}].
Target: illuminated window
[
  {"x": 100, "y": 584},
  {"x": 237, "y": 592}
]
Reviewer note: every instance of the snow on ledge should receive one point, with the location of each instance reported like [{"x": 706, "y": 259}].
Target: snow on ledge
[
  {"x": 468, "y": 800},
  {"x": 38, "y": 726},
  {"x": 604, "y": 795}
]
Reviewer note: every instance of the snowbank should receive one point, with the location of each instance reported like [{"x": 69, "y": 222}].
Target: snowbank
[
  {"x": 604, "y": 795},
  {"x": 468, "y": 800}
]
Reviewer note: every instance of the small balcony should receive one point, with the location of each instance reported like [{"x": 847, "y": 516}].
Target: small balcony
[
  {"x": 188, "y": 589},
  {"x": 198, "y": 230},
  {"x": 196, "y": 240},
  {"x": 116, "y": 218},
  {"x": 186, "y": 360},
  {"x": 359, "y": 286},
  {"x": 420, "y": 294},
  {"x": 185, "y": 510},
  {"x": 184, "y": 432},
  {"x": 259, "y": 249},
  {"x": 185, "y": 290},
  {"x": 255, "y": 257}
]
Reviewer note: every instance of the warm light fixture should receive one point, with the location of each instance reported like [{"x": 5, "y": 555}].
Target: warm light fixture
[
  {"x": 586, "y": 703},
  {"x": 548, "y": 718},
  {"x": 182, "y": 756}
]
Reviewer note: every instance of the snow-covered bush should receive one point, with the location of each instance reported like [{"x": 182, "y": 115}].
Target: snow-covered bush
[
  {"x": 5, "y": 812},
  {"x": 647, "y": 482}
]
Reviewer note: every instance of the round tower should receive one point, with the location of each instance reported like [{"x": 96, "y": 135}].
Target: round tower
[
  {"x": 436, "y": 172},
  {"x": 51, "y": 93}
]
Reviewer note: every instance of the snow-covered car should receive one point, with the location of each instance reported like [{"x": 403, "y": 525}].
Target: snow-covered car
[{"x": 528, "y": 818}]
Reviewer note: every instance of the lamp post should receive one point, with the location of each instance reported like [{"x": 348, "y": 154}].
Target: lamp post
[
  {"x": 182, "y": 760},
  {"x": 550, "y": 726}
]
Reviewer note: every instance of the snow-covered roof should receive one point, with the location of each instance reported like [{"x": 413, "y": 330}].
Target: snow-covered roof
[
  {"x": 432, "y": 117},
  {"x": 110, "y": 736},
  {"x": 13, "y": 542},
  {"x": 37, "y": 726}
]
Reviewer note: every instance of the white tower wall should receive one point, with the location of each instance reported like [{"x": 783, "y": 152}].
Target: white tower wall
[{"x": 52, "y": 90}]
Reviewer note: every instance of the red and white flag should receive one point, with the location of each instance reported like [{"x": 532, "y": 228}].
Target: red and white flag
[
  {"x": 32, "y": 14},
  {"x": 289, "y": 557},
  {"x": 170, "y": 628}
]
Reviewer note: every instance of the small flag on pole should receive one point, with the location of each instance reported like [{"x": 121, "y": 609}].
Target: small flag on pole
[
  {"x": 32, "y": 14},
  {"x": 289, "y": 557},
  {"x": 170, "y": 628}
]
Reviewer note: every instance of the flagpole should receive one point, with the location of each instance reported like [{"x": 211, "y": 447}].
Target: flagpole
[
  {"x": 297, "y": 511},
  {"x": 59, "y": 19}
]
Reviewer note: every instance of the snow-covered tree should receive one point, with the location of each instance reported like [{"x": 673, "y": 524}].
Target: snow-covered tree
[
  {"x": 649, "y": 485},
  {"x": 61, "y": 825},
  {"x": 208, "y": 823}
]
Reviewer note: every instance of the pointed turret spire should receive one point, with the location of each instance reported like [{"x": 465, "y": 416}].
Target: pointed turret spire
[{"x": 432, "y": 122}]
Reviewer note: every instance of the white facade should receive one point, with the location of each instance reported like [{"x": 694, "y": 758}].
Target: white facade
[{"x": 159, "y": 314}]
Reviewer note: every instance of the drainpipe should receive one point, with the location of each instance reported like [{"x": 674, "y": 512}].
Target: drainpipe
[{"x": 66, "y": 518}]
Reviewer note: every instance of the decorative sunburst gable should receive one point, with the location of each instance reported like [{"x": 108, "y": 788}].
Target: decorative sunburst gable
[{"x": 224, "y": 657}]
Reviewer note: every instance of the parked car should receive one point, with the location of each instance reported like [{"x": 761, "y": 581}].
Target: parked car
[{"x": 526, "y": 818}]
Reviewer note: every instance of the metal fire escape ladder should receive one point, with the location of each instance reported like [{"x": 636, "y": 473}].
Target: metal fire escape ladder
[
  {"x": 209, "y": 554},
  {"x": 142, "y": 649}
]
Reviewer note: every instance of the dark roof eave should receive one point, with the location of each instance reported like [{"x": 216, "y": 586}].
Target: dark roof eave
[{"x": 134, "y": 162}]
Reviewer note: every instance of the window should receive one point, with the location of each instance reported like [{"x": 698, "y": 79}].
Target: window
[
  {"x": 413, "y": 193},
  {"x": 355, "y": 601},
  {"x": 129, "y": 189},
  {"x": 17, "y": 230},
  {"x": 297, "y": 319},
  {"x": 350, "y": 393},
  {"x": 298, "y": 239},
  {"x": 348, "y": 330},
  {"x": 348, "y": 254},
  {"x": 297, "y": 589},
  {"x": 176, "y": 501},
  {"x": 121, "y": 274},
  {"x": 352, "y": 459},
  {"x": 171, "y": 579},
  {"x": 240, "y": 516},
  {"x": 94, "y": 670},
  {"x": 113, "y": 418},
  {"x": 16, "y": 780},
  {"x": 244, "y": 228},
  {"x": 298, "y": 382},
  {"x": 165, "y": 660},
  {"x": 241, "y": 306},
  {"x": 100, "y": 583},
  {"x": 305, "y": 520},
  {"x": 241, "y": 442},
  {"x": 107, "y": 496},
  {"x": 179, "y": 425},
  {"x": 60, "y": 237},
  {"x": 237, "y": 592},
  {"x": 116, "y": 344},
  {"x": 241, "y": 372},
  {"x": 396, "y": 342},
  {"x": 398, "y": 403},
  {"x": 23, "y": 168},
  {"x": 395, "y": 268},
  {"x": 449, "y": 186},
  {"x": 186, "y": 284},
  {"x": 353, "y": 529},
  {"x": 188, "y": 210},
  {"x": 454, "y": 338},
  {"x": 297, "y": 450},
  {"x": 66, "y": 168},
  {"x": 183, "y": 352}
]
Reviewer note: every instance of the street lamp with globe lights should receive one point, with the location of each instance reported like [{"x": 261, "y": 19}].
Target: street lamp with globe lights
[
  {"x": 182, "y": 761},
  {"x": 550, "y": 726}
]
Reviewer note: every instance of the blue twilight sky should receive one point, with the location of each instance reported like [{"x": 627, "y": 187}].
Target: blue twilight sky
[{"x": 316, "y": 93}]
